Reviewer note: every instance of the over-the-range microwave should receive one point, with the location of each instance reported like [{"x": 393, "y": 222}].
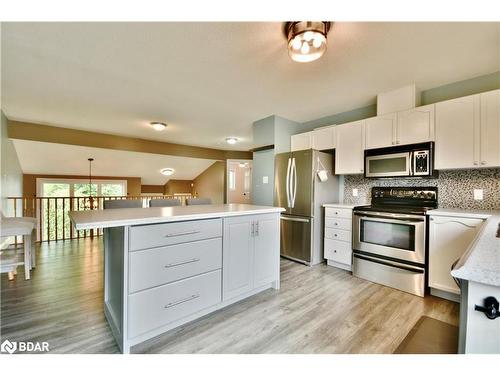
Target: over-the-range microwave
[{"x": 415, "y": 160}]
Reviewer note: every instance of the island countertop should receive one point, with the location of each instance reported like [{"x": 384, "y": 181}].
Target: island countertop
[
  {"x": 139, "y": 216},
  {"x": 481, "y": 261}
]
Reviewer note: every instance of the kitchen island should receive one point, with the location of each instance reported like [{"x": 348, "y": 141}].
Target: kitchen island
[{"x": 166, "y": 266}]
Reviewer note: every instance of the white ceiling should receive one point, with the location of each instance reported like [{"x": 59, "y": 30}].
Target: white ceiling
[
  {"x": 72, "y": 160},
  {"x": 210, "y": 81}
]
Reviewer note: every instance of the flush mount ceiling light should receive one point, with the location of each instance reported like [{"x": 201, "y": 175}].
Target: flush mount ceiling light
[
  {"x": 306, "y": 39},
  {"x": 158, "y": 126},
  {"x": 167, "y": 171},
  {"x": 231, "y": 140}
]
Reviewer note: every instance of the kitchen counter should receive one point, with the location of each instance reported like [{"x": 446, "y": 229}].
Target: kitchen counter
[
  {"x": 152, "y": 215},
  {"x": 166, "y": 266},
  {"x": 481, "y": 262}
]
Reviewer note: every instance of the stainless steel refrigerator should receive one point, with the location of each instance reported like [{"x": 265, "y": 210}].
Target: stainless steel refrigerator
[{"x": 300, "y": 191}]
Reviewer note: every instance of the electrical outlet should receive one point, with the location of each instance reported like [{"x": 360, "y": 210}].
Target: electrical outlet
[
  {"x": 354, "y": 192},
  {"x": 265, "y": 179},
  {"x": 478, "y": 194}
]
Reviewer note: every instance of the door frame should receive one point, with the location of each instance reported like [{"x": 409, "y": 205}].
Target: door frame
[{"x": 250, "y": 161}]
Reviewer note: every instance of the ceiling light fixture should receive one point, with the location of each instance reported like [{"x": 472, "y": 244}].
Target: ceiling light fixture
[
  {"x": 231, "y": 140},
  {"x": 306, "y": 39},
  {"x": 167, "y": 171},
  {"x": 158, "y": 126}
]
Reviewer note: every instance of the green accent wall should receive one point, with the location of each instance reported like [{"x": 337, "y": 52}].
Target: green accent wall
[{"x": 466, "y": 87}]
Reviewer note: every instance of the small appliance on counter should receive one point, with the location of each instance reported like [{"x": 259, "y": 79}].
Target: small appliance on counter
[
  {"x": 390, "y": 237},
  {"x": 304, "y": 180},
  {"x": 415, "y": 160}
]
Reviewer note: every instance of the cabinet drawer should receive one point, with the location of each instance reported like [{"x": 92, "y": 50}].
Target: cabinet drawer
[
  {"x": 156, "y": 235},
  {"x": 153, "y": 267},
  {"x": 345, "y": 224},
  {"x": 156, "y": 307},
  {"x": 345, "y": 213},
  {"x": 338, "y": 251},
  {"x": 338, "y": 234}
]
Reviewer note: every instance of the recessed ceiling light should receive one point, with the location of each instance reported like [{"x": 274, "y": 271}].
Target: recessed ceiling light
[
  {"x": 231, "y": 140},
  {"x": 167, "y": 171},
  {"x": 158, "y": 126}
]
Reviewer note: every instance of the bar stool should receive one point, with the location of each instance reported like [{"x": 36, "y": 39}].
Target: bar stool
[
  {"x": 164, "y": 202},
  {"x": 197, "y": 201}
]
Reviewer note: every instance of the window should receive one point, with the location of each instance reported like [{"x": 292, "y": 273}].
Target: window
[
  {"x": 232, "y": 180},
  {"x": 80, "y": 188}
]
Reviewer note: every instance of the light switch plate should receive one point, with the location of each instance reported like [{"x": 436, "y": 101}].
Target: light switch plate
[
  {"x": 478, "y": 194},
  {"x": 354, "y": 192},
  {"x": 265, "y": 179}
]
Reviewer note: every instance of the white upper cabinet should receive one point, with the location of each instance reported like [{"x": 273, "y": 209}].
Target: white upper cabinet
[
  {"x": 489, "y": 148},
  {"x": 302, "y": 141},
  {"x": 349, "y": 150},
  {"x": 323, "y": 138},
  {"x": 468, "y": 131},
  {"x": 381, "y": 131},
  {"x": 415, "y": 125}
]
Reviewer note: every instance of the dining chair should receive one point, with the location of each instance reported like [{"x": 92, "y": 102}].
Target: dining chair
[
  {"x": 122, "y": 203},
  {"x": 196, "y": 201},
  {"x": 164, "y": 202}
]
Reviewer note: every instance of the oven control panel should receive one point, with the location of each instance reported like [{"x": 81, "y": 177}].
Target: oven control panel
[{"x": 427, "y": 193}]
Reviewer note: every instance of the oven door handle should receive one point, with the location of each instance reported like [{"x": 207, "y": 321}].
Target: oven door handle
[
  {"x": 397, "y": 218},
  {"x": 390, "y": 263}
]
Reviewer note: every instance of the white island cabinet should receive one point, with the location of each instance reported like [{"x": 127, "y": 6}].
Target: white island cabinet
[{"x": 164, "y": 267}]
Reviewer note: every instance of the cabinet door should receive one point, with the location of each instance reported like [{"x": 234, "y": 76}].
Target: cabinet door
[
  {"x": 324, "y": 138},
  {"x": 349, "y": 150},
  {"x": 415, "y": 125},
  {"x": 457, "y": 133},
  {"x": 302, "y": 141},
  {"x": 449, "y": 238},
  {"x": 490, "y": 129},
  {"x": 266, "y": 253},
  {"x": 381, "y": 131},
  {"x": 237, "y": 258}
]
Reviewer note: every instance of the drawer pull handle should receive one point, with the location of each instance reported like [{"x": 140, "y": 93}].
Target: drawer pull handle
[
  {"x": 336, "y": 223},
  {"x": 183, "y": 262},
  {"x": 182, "y": 233},
  {"x": 335, "y": 235},
  {"x": 190, "y": 298}
]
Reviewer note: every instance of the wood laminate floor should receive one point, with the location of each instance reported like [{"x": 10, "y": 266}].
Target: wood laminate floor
[{"x": 318, "y": 310}]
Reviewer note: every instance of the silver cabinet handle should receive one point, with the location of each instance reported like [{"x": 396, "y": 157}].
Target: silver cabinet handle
[
  {"x": 253, "y": 229},
  {"x": 475, "y": 163},
  {"x": 194, "y": 260},
  {"x": 483, "y": 162},
  {"x": 257, "y": 228},
  {"x": 175, "y": 303},
  {"x": 182, "y": 233}
]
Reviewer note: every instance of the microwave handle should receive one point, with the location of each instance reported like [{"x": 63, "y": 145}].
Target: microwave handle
[{"x": 412, "y": 161}]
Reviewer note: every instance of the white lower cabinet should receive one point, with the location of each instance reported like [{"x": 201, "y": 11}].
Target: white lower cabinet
[
  {"x": 449, "y": 238},
  {"x": 249, "y": 259},
  {"x": 338, "y": 236}
]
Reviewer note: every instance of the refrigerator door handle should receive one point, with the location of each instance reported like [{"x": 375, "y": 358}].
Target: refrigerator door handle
[
  {"x": 288, "y": 182},
  {"x": 294, "y": 190}
]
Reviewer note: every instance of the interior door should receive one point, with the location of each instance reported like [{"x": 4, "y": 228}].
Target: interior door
[
  {"x": 302, "y": 183},
  {"x": 282, "y": 168},
  {"x": 239, "y": 181}
]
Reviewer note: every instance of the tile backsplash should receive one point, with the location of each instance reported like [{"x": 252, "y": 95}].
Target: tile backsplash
[{"x": 455, "y": 187}]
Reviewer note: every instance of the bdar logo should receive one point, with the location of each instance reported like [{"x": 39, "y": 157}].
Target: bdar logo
[{"x": 9, "y": 347}]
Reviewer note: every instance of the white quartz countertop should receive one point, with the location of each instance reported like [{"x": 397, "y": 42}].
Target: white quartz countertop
[
  {"x": 481, "y": 261},
  {"x": 136, "y": 216},
  {"x": 341, "y": 205}
]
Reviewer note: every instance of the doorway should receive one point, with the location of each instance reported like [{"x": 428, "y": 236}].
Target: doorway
[{"x": 239, "y": 181}]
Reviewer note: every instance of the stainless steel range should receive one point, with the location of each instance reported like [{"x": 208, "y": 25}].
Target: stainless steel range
[{"x": 390, "y": 236}]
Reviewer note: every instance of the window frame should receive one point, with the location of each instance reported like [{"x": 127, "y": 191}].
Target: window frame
[{"x": 71, "y": 181}]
